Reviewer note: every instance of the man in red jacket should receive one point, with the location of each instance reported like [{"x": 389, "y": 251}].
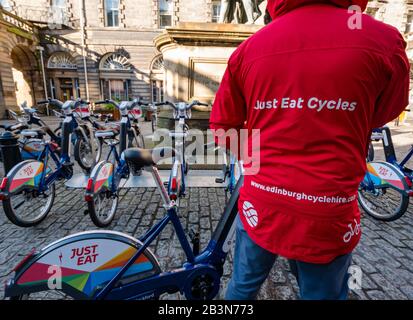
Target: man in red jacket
[{"x": 315, "y": 82}]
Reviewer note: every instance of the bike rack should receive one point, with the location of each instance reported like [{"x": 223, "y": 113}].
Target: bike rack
[{"x": 195, "y": 179}]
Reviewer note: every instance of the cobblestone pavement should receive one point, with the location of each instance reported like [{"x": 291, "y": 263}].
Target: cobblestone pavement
[{"x": 385, "y": 253}]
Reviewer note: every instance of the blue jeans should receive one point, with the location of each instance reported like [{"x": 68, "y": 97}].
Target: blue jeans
[{"x": 252, "y": 264}]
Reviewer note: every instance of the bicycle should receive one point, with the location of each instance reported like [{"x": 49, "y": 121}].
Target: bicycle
[
  {"x": 109, "y": 265},
  {"x": 387, "y": 187},
  {"x": 30, "y": 142},
  {"x": 28, "y": 191},
  {"x": 104, "y": 183},
  {"x": 181, "y": 113},
  {"x": 231, "y": 170},
  {"x": 86, "y": 151}
]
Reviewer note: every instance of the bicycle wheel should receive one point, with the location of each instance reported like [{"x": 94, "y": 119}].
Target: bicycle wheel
[
  {"x": 28, "y": 208},
  {"x": 385, "y": 204},
  {"x": 102, "y": 209},
  {"x": 84, "y": 154},
  {"x": 154, "y": 123},
  {"x": 371, "y": 154},
  {"x": 137, "y": 141}
]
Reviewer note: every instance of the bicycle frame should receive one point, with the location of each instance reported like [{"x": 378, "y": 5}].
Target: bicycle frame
[
  {"x": 180, "y": 135},
  {"x": 122, "y": 168},
  {"x": 209, "y": 262},
  {"x": 390, "y": 153},
  {"x": 57, "y": 174}
]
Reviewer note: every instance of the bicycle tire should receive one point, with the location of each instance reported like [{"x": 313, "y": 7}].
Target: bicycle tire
[
  {"x": 79, "y": 158},
  {"x": 14, "y": 218},
  {"x": 397, "y": 214},
  {"x": 94, "y": 214},
  {"x": 154, "y": 123},
  {"x": 371, "y": 153}
]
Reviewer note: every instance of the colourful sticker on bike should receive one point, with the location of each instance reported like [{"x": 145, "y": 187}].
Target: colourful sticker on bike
[
  {"x": 84, "y": 265},
  {"x": 29, "y": 174},
  {"x": 104, "y": 178},
  {"x": 382, "y": 174}
]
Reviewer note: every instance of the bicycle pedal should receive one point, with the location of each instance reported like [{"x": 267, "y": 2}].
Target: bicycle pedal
[
  {"x": 193, "y": 235},
  {"x": 195, "y": 240}
]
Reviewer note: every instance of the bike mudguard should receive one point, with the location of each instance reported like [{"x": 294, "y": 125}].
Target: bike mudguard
[
  {"x": 101, "y": 177},
  {"x": 26, "y": 174},
  {"x": 81, "y": 264},
  {"x": 32, "y": 149},
  {"x": 385, "y": 174}
]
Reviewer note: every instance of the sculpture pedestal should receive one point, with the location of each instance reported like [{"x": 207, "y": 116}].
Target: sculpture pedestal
[{"x": 195, "y": 57}]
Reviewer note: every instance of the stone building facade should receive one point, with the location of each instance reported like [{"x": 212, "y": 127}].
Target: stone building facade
[{"x": 98, "y": 49}]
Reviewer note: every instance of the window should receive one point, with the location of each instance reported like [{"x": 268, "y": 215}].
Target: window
[
  {"x": 53, "y": 89},
  {"x": 112, "y": 13},
  {"x": 157, "y": 91},
  {"x": 61, "y": 60},
  {"x": 118, "y": 90},
  {"x": 166, "y": 9},
  {"x": 216, "y": 11},
  {"x": 157, "y": 75},
  {"x": 115, "y": 62},
  {"x": 409, "y": 22},
  {"x": 58, "y": 4},
  {"x": 77, "y": 88}
]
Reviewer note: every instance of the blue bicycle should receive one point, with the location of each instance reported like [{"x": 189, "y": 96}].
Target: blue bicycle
[
  {"x": 105, "y": 181},
  {"x": 30, "y": 141},
  {"x": 109, "y": 265},
  {"x": 87, "y": 150},
  {"x": 386, "y": 189},
  {"x": 28, "y": 191}
]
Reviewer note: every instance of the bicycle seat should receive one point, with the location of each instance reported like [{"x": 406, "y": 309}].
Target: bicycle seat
[
  {"x": 107, "y": 133},
  {"x": 16, "y": 127},
  {"x": 140, "y": 158},
  {"x": 33, "y": 133}
]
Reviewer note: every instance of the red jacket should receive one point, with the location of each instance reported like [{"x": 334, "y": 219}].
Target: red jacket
[{"x": 315, "y": 88}]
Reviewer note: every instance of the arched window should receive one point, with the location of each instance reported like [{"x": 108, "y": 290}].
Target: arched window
[
  {"x": 157, "y": 64},
  {"x": 115, "y": 62},
  {"x": 62, "y": 60}
]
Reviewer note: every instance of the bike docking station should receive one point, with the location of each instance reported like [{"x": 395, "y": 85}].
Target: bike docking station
[{"x": 203, "y": 172}]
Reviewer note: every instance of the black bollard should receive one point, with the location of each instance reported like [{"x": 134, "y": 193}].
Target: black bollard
[{"x": 10, "y": 151}]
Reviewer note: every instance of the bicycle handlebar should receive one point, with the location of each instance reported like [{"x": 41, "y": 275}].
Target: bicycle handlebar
[
  {"x": 108, "y": 101},
  {"x": 132, "y": 104},
  {"x": 54, "y": 102},
  {"x": 188, "y": 107}
]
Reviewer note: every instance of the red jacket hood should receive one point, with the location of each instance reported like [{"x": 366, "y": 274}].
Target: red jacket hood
[{"x": 278, "y": 8}]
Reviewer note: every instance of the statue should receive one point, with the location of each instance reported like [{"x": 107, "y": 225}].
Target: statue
[{"x": 240, "y": 11}]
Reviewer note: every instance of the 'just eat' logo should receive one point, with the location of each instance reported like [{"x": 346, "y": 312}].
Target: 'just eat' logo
[{"x": 85, "y": 255}]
